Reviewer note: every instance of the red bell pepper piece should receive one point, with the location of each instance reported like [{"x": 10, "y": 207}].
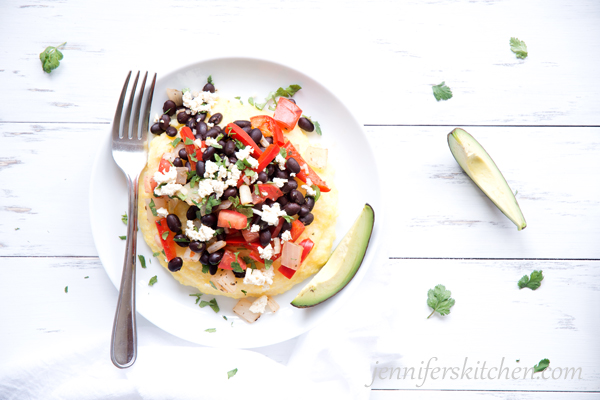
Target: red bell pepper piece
[
  {"x": 302, "y": 175},
  {"x": 228, "y": 258},
  {"x": 308, "y": 245},
  {"x": 231, "y": 219},
  {"x": 287, "y": 272},
  {"x": 256, "y": 257},
  {"x": 186, "y": 136},
  {"x": 287, "y": 114},
  {"x": 268, "y": 127},
  {"x": 168, "y": 243},
  {"x": 277, "y": 228},
  {"x": 297, "y": 229},
  {"x": 266, "y": 157},
  {"x": 242, "y": 136},
  {"x": 272, "y": 191},
  {"x": 164, "y": 166}
]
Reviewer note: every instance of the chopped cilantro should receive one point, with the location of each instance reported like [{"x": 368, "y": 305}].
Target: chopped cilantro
[
  {"x": 317, "y": 127},
  {"x": 268, "y": 264},
  {"x": 153, "y": 207},
  {"x": 165, "y": 235},
  {"x": 532, "y": 282},
  {"x": 210, "y": 330},
  {"x": 212, "y": 304},
  {"x": 86, "y": 277},
  {"x": 175, "y": 142},
  {"x": 210, "y": 203},
  {"x": 243, "y": 291},
  {"x": 282, "y": 152},
  {"x": 249, "y": 261},
  {"x": 213, "y": 285},
  {"x": 188, "y": 141},
  {"x": 209, "y": 79},
  {"x": 318, "y": 192},
  {"x": 153, "y": 280},
  {"x": 181, "y": 240},
  {"x": 124, "y": 218},
  {"x": 442, "y": 92},
  {"x": 231, "y": 373},
  {"x": 225, "y": 318},
  {"x": 542, "y": 365},
  {"x": 51, "y": 57},
  {"x": 518, "y": 47},
  {"x": 142, "y": 260},
  {"x": 238, "y": 144},
  {"x": 156, "y": 254},
  {"x": 198, "y": 295},
  {"x": 288, "y": 218},
  {"x": 66, "y": 289},
  {"x": 205, "y": 269},
  {"x": 193, "y": 157},
  {"x": 250, "y": 172},
  {"x": 122, "y": 237},
  {"x": 236, "y": 265}
]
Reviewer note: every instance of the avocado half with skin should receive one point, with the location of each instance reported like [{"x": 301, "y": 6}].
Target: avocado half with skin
[
  {"x": 342, "y": 264},
  {"x": 480, "y": 167}
]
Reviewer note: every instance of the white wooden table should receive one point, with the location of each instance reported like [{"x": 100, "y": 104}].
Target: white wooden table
[{"x": 539, "y": 118}]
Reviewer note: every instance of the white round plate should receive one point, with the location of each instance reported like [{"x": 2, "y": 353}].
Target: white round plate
[{"x": 168, "y": 304}]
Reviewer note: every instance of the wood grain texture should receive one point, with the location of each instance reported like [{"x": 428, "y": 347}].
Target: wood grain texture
[{"x": 393, "y": 51}]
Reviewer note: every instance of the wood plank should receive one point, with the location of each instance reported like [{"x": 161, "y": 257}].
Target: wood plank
[
  {"x": 395, "y": 50},
  {"x": 436, "y": 211}
]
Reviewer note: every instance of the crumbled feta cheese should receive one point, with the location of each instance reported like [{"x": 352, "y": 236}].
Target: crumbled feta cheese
[
  {"x": 266, "y": 253},
  {"x": 281, "y": 161},
  {"x": 271, "y": 214},
  {"x": 222, "y": 173},
  {"x": 259, "y": 277},
  {"x": 162, "y": 212},
  {"x": 203, "y": 234},
  {"x": 203, "y": 102},
  {"x": 205, "y": 188},
  {"x": 305, "y": 168},
  {"x": 286, "y": 236},
  {"x": 244, "y": 153},
  {"x": 258, "y": 306},
  {"x": 167, "y": 177},
  {"x": 218, "y": 187},
  {"x": 210, "y": 124},
  {"x": 168, "y": 190},
  {"x": 210, "y": 141},
  {"x": 255, "y": 228},
  {"x": 309, "y": 190},
  {"x": 156, "y": 118},
  {"x": 292, "y": 174},
  {"x": 198, "y": 142},
  {"x": 279, "y": 182},
  {"x": 210, "y": 168},
  {"x": 233, "y": 176}
]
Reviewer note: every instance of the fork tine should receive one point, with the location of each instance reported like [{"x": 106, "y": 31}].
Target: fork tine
[
  {"x": 146, "y": 115},
  {"x": 135, "y": 134},
  {"x": 117, "y": 119},
  {"x": 129, "y": 107}
]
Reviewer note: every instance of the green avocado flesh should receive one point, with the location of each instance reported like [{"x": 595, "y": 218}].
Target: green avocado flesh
[
  {"x": 342, "y": 264},
  {"x": 480, "y": 167}
]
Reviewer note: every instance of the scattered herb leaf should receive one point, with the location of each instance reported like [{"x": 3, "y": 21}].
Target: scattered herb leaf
[
  {"x": 212, "y": 304},
  {"x": 209, "y": 79},
  {"x": 532, "y": 282},
  {"x": 542, "y": 365},
  {"x": 124, "y": 218},
  {"x": 518, "y": 47},
  {"x": 165, "y": 235},
  {"x": 156, "y": 254},
  {"x": 122, "y": 237},
  {"x": 231, "y": 373},
  {"x": 210, "y": 330},
  {"x": 51, "y": 57},
  {"x": 213, "y": 285},
  {"x": 225, "y": 318},
  {"x": 142, "y": 260},
  {"x": 198, "y": 295},
  {"x": 243, "y": 291},
  {"x": 153, "y": 207},
  {"x": 153, "y": 280},
  {"x": 442, "y": 92},
  {"x": 175, "y": 142},
  {"x": 66, "y": 289},
  {"x": 439, "y": 299}
]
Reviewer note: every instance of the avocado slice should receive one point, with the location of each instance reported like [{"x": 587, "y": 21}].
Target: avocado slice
[
  {"x": 342, "y": 264},
  {"x": 480, "y": 167}
]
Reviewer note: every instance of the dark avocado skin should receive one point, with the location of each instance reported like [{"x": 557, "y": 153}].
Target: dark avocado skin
[{"x": 356, "y": 267}]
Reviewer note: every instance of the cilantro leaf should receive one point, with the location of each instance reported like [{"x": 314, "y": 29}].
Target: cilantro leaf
[
  {"x": 153, "y": 208},
  {"x": 243, "y": 291},
  {"x": 66, "y": 289},
  {"x": 210, "y": 330},
  {"x": 317, "y": 192},
  {"x": 250, "y": 262},
  {"x": 51, "y": 57},
  {"x": 231, "y": 373},
  {"x": 268, "y": 264},
  {"x": 212, "y": 304},
  {"x": 165, "y": 235},
  {"x": 533, "y": 282},
  {"x": 198, "y": 295},
  {"x": 317, "y": 127},
  {"x": 122, "y": 237},
  {"x": 542, "y": 365},
  {"x": 518, "y": 47},
  {"x": 156, "y": 254},
  {"x": 236, "y": 265},
  {"x": 124, "y": 218},
  {"x": 175, "y": 142},
  {"x": 439, "y": 299},
  {"x": 282, "y": 152},
  {"x": 209, "y": 79},
  {"x": 213, "y": 285},
  {"x": 205, "y": 269},
  {"x": 188, "y": 141},
  {"x": 142, "y": 260},
  {"x": 442, "y": 92},
  {"x": 153, "y": 280}
]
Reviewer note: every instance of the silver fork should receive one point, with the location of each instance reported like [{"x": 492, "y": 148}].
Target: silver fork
[{"x": 130, "y": 153}]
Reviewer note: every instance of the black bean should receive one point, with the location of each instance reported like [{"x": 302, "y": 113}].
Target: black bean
[
  {"x": 209, "y": 87},
  {"x": 255, "y": 219},
  {"x": 263, "y": 177},
  {"x": 239, "y": 274},
  {"x": 283, "y": 201},
  {"x": 270, "y": 169},
  {"x": 181, "y": 240},
  {"x": 230, "y": 192},
  {"x": 197, "y": 247},
  {"x": 269, "y": 202},
  {"x": 281, "y": 174},
  {"x": 216, "y": 257},
  {"x": 183, "y": 154},
  {"x": 171, "y": 131},
  {"x": 156, "y": 129},
  {"x": 200, "y": 169},
  {"x": 213, "y": 132},
  {"x": 310, "y": 202},
  {"x": 247, "y": 129},
  {"x": 292, "y": 100},
  {"x": 290, "y": 185},
  {"x": 233, "y": 159},
  {"x": 209, "y": 154},
  {"x": 173, "y": 223},
  {"x": 213, "y": 269},
  {"x": 191, "y": 213},
  {"x": 307, "y": 219},
  {"x": 187, "y": 165},
  {"x": 296, "y": 197},
  {"x": 229, "y": 148},
  {"x": 221, "y": 143},
  {"x": 201, "y": 130},
  {"x": 200, "y": 116},
  {"x": 216, "y": 118},
  {"x": 305, "y": 124},
  {"x": 242, "y": 123},
  {"x": 204, "y": 258},
  {"x": 304, "y": 210},
  {"x": 292, "y": 165},
  {"x": 209, "y": 220},
  {"x": 177, "y": 162},
  {"x": 182, "y": 117},
  {"x": 164, "y": 122},
  {"x": 291, "y": 208},
  {"x": 256, "y": 135},
  {"x": 191, "y": 123},
  {"x": 264, "y": 237},
  {"x": 285, "y": 227},
  {"x": 169, "y": 107},
  {"x": 175, "y": 264}
]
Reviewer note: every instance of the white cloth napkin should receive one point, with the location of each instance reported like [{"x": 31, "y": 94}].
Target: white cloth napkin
[{"x": 334, "y": 360}]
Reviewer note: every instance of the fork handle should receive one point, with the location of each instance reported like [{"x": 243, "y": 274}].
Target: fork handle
[{"x": 123, "y": 349}]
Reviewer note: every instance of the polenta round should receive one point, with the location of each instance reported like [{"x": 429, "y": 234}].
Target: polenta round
[{"x": 321, "y": 231}]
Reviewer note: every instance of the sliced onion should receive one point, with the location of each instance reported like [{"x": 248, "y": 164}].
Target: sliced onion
[
  {"x": 189, "y": 255},
  {"x": 160, "y": 202},
  {"x": 151, "y": 217},
  {"x": 179, "y": 146},
  {"x": 245, "y": 194},
  {"x": 291, "y": 255},
  {"x": 157, "y": 240},
  {"x": 225, "y": 204},
  {"x": 216, "y": 246},
  {"x": 172, "y": 205},
  {"x": 175, "y": 96},
  {"x": 276, "y": 246},
  {"x": 181, "y": 175},
  {"x": 250, "y": 236}
]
